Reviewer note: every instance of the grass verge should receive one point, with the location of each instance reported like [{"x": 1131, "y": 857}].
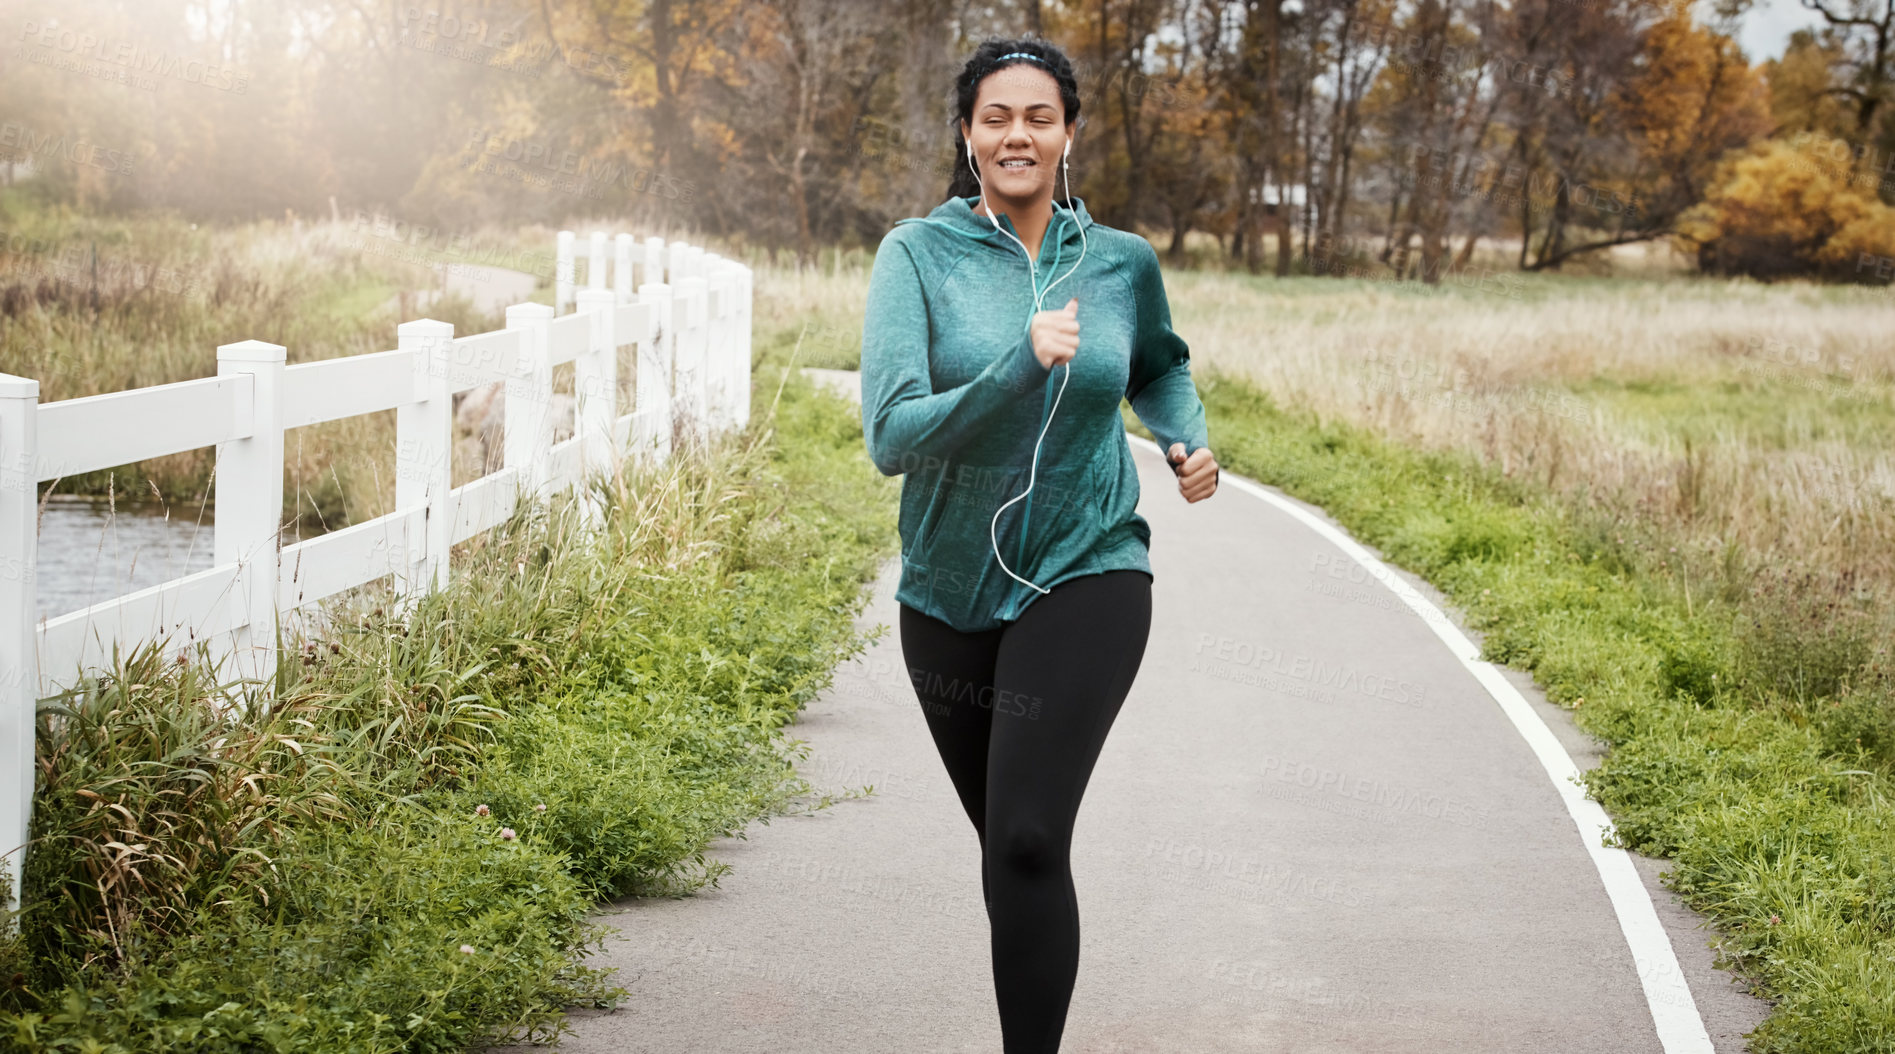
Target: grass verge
[
  {"x": 1751, "y": 742},
  {"x": 400, "y": 852}
]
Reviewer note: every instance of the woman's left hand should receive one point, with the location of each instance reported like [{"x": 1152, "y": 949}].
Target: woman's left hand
[{"x": 1197, "y": 474}]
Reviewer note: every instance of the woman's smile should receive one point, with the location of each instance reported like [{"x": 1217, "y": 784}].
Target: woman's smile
[{"x": 1016, "y": 170}]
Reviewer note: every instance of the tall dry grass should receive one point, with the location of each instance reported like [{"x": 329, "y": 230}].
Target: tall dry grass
[
  {"x": 91, "y": 305},
  {"x": 1735, "y": 436},
  {"x": 1723, "y": 411}
]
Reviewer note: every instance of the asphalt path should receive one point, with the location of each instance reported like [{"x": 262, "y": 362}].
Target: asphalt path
[{"x": 1319, "y": 824}]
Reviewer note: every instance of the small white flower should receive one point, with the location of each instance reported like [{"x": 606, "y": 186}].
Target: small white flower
[
  {"x": 467, "y": 949},
  {"x": 481, "y": 810},
  {"x": 506, "y": 834}
]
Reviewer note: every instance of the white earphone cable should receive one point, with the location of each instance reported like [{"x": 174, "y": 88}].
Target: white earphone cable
[{"x": 1039, "y": 302}]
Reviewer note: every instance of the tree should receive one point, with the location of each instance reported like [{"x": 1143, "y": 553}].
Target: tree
[
  {"x": 1775, "y": 209},
  {"x": 1865, "y": 36}
]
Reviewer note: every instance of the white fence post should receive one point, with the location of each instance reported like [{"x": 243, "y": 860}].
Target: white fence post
[
  {"x": 655, "y": 391},
  {"x": 744, "y": 276},
  {"x": 717, "y": 377},
  {"x": 655, "y": 262},
  {"x": 730, "y": 354},
  {"x": 529, "y": 394},
  {"x": 424, "y": 456},
  {"x": 691, "y": 355},
  {"x": 19, "y": 651},
  {"x": 622, "y": 283},
  {"x": 677, "y": 254},
  {"x": 595, "y": 262},
  {"x": 562, "y": 275},
  {"x": 249, "y": 509},
  {"x": 595, "y": 384}
]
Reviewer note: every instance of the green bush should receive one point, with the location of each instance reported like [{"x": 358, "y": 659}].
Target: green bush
[
  {"x": 399, "y": 851},
  {"x": 403, "y": 935}
]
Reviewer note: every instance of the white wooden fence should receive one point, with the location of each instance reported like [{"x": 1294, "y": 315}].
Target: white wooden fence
[{"x": 690, "y": 324}]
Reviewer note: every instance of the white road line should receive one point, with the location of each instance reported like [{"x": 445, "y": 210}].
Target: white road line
[{"x": 1674, "y": 1012}]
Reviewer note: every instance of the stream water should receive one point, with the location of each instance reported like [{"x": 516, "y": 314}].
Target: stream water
[{"x": 89, "y": 552}]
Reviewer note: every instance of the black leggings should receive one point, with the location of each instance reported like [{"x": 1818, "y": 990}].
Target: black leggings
[{"x": 1019, "y": 714}]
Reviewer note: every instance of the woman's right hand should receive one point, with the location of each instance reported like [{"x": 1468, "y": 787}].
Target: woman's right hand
[{"x": 1056, "y": 334}]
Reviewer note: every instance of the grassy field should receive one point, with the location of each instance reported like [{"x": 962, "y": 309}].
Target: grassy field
[
  {"x": 1671, "y": 500},
  {"x": 90, "y": 305}
]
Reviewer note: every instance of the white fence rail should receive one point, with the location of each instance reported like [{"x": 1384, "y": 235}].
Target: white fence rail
[{"x": 689, "y": 322}]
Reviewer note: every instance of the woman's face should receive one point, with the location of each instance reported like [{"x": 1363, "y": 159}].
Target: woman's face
[{"x": 1019, "y": 133}]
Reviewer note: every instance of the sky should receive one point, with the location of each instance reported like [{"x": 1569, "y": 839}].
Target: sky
[{"x": 1768, "y": 24}]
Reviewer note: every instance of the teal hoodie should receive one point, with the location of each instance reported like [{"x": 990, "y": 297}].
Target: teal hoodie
[{"x": 954, "y": 400}]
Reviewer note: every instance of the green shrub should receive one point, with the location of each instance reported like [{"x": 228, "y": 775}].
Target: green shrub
[{"x": 304, "y": 878}]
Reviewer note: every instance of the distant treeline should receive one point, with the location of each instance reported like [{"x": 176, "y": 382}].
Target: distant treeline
[{"x": 1315, "y": 136}]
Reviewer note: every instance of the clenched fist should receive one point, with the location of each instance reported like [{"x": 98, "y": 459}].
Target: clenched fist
[
  {"x": 1197, "y": 475},
  {"x": 1056, "y": 334}
]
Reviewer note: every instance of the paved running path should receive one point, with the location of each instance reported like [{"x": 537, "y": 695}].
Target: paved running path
[{"x": 1311, "y": 830}]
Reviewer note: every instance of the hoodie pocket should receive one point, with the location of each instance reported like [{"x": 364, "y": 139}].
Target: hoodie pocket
[
  {"x": 1115, "y": 488},
  {"x": 933, "y": 513},
  {"x": 1097, "y": 487}
]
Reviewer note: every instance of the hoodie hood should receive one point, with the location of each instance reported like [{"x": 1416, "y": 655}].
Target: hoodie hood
[{"x": 964, "y": 217}]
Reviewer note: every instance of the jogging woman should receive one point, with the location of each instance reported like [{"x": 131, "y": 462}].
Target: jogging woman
[{"x": 1025, "y": 589}]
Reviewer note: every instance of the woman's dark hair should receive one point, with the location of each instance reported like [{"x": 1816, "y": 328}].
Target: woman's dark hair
[{"x": 986, "y": 59}]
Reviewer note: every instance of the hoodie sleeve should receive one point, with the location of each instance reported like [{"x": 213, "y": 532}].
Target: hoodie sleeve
[
  {"x": 903, "y": 418},
  {"x": 1160, "y": 389}
]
